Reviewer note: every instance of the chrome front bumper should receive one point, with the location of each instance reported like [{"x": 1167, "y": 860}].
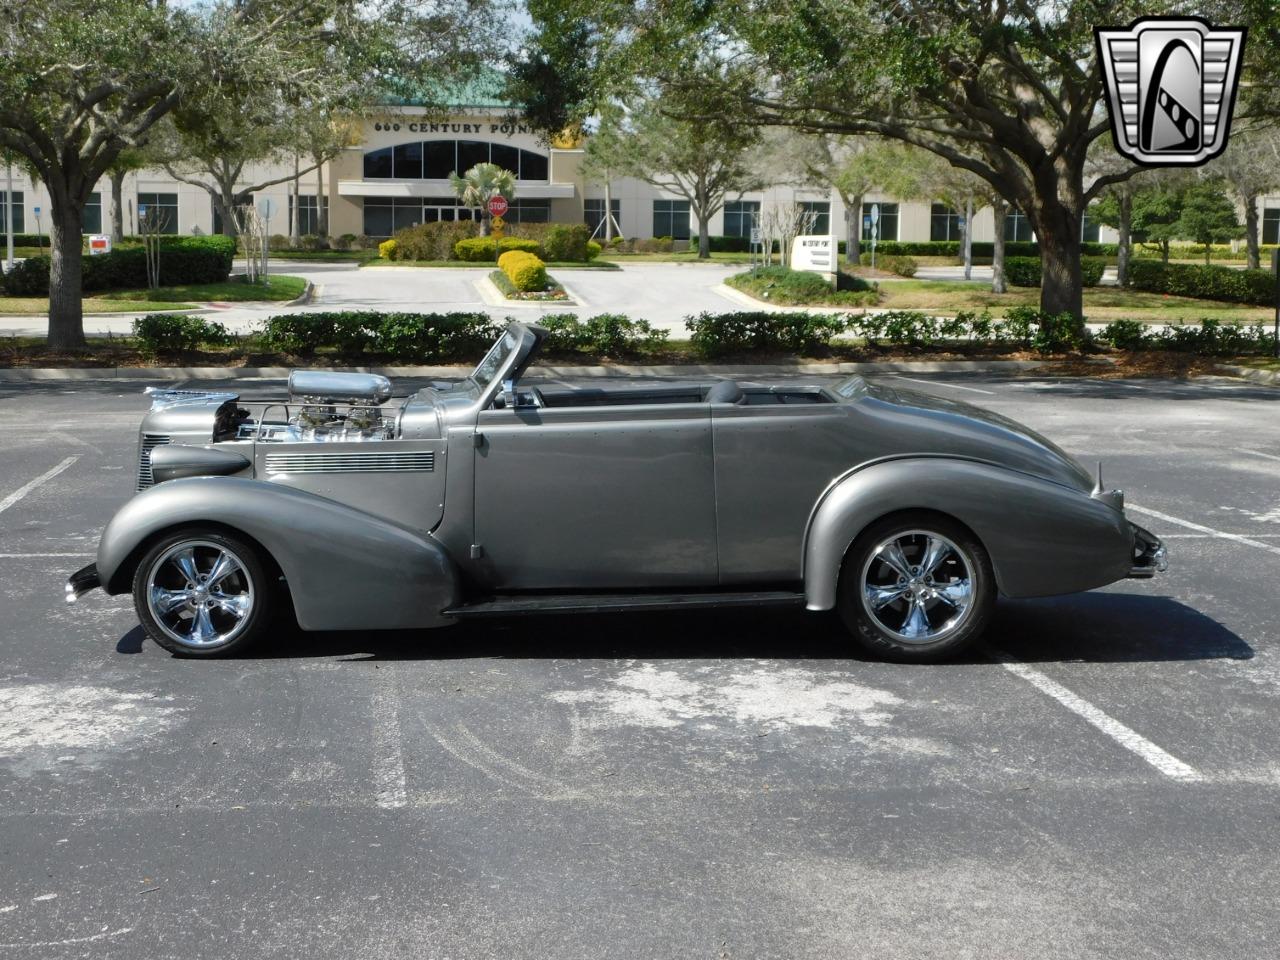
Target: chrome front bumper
[
  {"x": 82, "y": 581},
  {"x": 1149, "y": 554}
]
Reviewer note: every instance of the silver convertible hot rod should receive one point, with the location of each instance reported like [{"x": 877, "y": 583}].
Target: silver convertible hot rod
[{"x": 484, "y": 497}]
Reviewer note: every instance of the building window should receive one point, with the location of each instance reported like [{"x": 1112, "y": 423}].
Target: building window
[
  {"x": 529, "y": 211},
  {"x": 944, "y": 223},
  {"x": 888, "y": 222},
  {"x": 821, "y": 211},
  {"x": 593, "y": 216},
  {"x": 671, "y": 219},
  {"x": 163, "y": 206},
  {"x": 308, "y": 213},
  {"x": 436, "y": 159},
  {"x": 1017, "y": 227},
  {"x": 1089, "y": 228},
  {"x": 740, "y": 216},
  {"x": 91, "y": 216},
  {"x": 1270, "y": 223},
  {"x": 18, "y": 223}
]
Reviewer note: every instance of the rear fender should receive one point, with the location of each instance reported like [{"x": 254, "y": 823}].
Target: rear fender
[
  {"x": 346, "y": 569},
  {"x": 1044, "y": 538}
]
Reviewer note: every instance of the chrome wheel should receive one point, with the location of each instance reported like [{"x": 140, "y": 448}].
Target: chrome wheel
[
  {"x": 917, "y": 586},
  {"x": 200, "y": 594}
]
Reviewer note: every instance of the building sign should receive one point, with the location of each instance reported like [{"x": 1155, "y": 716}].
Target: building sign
[
  {"x": 816, "y": 253},
  {"x": 506, "y": 129},
  {"x": 99, "y": 244}
]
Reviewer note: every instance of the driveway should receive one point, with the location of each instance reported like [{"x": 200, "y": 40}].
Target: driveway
[{"x": 662, "y": 293}]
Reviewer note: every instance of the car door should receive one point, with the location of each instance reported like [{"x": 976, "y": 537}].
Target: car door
[{"x": 600, "y": 497}]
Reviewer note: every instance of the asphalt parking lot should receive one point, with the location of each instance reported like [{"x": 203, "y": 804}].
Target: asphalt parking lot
[{"x": 1101, "y": 780}]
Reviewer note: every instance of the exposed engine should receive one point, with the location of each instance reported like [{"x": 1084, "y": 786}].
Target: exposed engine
[{"x": 331, "y": 408}]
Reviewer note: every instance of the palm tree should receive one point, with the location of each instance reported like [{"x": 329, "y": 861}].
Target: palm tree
[{"x": 477, "y": 185}]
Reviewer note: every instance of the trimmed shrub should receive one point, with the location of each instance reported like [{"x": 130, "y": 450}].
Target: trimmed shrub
[
  {"x": 1205, "y": 282},
  {"x": 157, "y": 332},
  {"x": 1125, "y": 334},
  {"x": 481, "y": 249},
  {"x": 182, "y": 260},
  {"x": 344, "y": 242},
  {"x": 1025, "y": 271},
  {"x": 654, "y": 245},
  {"x": 278, "y": 241},
  {"x": 433, "y": 241},
  {"x": 730, "y": 244},
  {"x": 610, "y": 334},
  {"x": 802, "y": 288},
  {"x": 566, "y": 242},
  {"x": 312, "y": 241},
  {"x": 526, "y": 272},
  {"x": 903, "y": 266},
  {"x": 388, "y": 249},
  {"x": 593, "y": 250}
]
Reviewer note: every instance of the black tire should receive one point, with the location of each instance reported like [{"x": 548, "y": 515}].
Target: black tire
[
  {"x": 966, "y": 562},
  {"x": 251, "y": 578}
]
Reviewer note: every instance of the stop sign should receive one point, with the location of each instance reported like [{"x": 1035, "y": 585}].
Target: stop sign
[{"x": 498, "y": 205}]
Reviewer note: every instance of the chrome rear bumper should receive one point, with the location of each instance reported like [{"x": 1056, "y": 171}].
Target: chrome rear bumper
[
  {"x": 1149, "y": 554},
  {"x": 82, "y": 581}
]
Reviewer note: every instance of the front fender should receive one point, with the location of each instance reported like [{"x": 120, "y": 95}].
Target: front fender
[
  {"x": 1044, "y": 538},
  {"x": 346, "y": 569}
]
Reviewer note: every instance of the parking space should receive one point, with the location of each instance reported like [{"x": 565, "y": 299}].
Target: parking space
[{"x": 727, "y": 785}]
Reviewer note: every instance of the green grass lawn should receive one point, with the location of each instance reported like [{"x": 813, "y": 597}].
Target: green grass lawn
[
  {"x": 324, "y": 256},
  {"x": 1100, "y": 303},
  {"x": 237, "y": 290},
  {"x": 36, "y": 306}
]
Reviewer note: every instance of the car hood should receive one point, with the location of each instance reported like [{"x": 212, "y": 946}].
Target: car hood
[{"x": 924, "y": 423}]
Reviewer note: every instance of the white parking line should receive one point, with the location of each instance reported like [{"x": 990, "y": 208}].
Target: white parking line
[
  {"x": 1128, "y": 738},
  {"x": 1258, "y": 453},
  {"x": 943, "y": 383},
  {"x": 1269, "y": 547},
  {"x": 26, "y": 488},
  {"x": 388, "y": 743}
]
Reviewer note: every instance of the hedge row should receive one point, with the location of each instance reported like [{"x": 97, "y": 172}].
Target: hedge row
[
  {"x": 463, "y": 337},
  {"x": 981, "y": 249},
  {"x": 457, "y": 240},
  {"x": 1205, "y": 282},
  {"x": 182, "y": 260},
  {"x": 1025, "y": 271},
  {"x": 719, "y": 334},
  {"x": 1210, "y": 337},
  {"x": 409, "y": 336}
]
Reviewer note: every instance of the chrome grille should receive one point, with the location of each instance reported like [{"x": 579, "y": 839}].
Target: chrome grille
[
  {"x": 149, "y": 442},
  {"x": 350, "y": 462}
]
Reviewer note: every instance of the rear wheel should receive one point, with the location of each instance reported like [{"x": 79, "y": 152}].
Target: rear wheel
[
  {"x": 202, "y": 593},
  {"x": 916, "y": 587}
]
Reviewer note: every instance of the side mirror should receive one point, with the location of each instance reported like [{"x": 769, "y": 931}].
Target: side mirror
[{"x": 509, "y": 394}]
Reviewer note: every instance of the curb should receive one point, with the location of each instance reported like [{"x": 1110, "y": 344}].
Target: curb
[
  {"x": 303, "y": 298},
  {"x": 1251, "y": 373},
  {"x": 36, "y": 374},
  {"x": 491, "y": 295}
]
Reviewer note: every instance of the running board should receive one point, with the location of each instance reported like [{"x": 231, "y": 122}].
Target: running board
[{"x": 504, "y": 606}]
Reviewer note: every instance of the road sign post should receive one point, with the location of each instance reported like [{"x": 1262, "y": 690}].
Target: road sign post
[{"x": 39, "y": 231}]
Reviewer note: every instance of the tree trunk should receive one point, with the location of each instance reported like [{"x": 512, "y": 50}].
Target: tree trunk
[
  {"x": 1164, "y": 252},
  {"x": 1251, "y": 231},
  {"x": 704, "y": 238},
  {"x": 295, "y": 214},
  {"x": 116, "y": 211},
  {"x": 322, "y": 209},
  {"x": 852, "y": 221},
  {"x": 1000, "y": 213},
  {"x": 968, "y": 238},
  {"x": 226, "y": 203},
  {"x": 1125, "y": 203},
  {"x": 66, "y": 273},
  {"x": 1061, "y": 287}
]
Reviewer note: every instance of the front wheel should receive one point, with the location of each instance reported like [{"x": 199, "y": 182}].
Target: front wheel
[
  {"x": 916, "y": 587},
  {"x": 202, "y": 593}
]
